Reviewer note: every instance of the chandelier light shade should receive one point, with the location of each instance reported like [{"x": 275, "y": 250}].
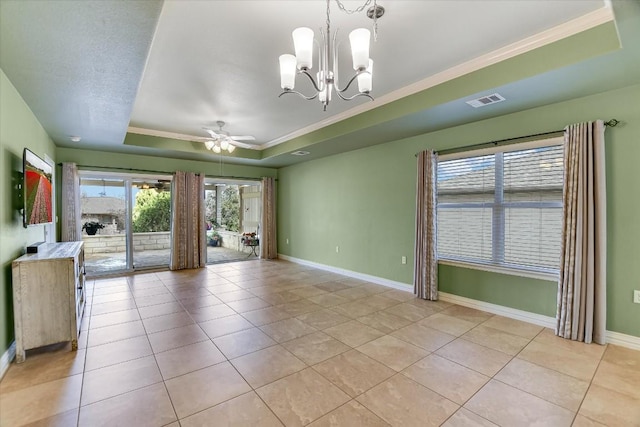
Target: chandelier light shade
[
  {"x": 287, "y": 71},
  {"x": 325, "y": 81},
  {"x": 303, "y": 43},
  {"x": 365, "y": 82},
  {"x": 359, "y": 40}
]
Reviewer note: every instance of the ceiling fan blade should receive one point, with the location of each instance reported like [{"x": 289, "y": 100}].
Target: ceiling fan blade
[
  {"x": 243, "y": 138},
  {"x": 212, "y": 132},
  {"x": 243, "y": 145}
]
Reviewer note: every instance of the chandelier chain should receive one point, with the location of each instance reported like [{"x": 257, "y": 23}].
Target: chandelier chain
[
  {"x": 375, "y": 20},
  {"x": 357, "y": 10},
  {"x": 328, "y": 18}
]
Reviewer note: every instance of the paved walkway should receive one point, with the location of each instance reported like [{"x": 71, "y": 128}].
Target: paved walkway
[{"x": 115, "y": 261}]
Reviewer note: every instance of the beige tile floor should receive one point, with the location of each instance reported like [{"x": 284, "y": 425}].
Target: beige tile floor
[{"x": 270, "y": 343}]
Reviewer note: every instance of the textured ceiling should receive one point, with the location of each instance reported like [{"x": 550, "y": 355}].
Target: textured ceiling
[
  {"x": 94, "y": 68},
  {"x": 78, "y": 64}
]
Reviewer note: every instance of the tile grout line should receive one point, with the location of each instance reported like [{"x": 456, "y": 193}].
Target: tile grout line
[
  {"x": 84, "y": 365},
  {"x": 115, "y": 364},
  {"x": 164, "y": 384},
  {"x": 353, "y": 348},
  {"x": 460, "y": 406},
  {"x": 590, "y": 384},
  {"x": 195, "y": 281},
  {"x": 226, "y": 360},
  {"x": 494, "y": 375}
]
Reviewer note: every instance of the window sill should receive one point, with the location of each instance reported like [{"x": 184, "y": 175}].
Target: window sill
[{"x": 551, "y": 277}]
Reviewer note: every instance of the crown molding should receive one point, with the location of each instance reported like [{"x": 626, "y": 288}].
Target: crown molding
[
  {"x": 162, "y": 134},
  {"x": 559, "y": 32}
]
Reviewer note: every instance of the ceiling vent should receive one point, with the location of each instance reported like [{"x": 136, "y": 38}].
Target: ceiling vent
[
  {"x": 486, "y": 100},
  {"x": 300, "y": 153}
]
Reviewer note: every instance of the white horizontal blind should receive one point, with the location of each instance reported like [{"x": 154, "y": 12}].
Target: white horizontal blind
[{"x": 503, "y": 209}]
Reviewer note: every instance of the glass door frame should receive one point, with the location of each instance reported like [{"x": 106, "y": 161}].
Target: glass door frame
[
  {"x": 126, "y": 182},
  {"x": 221, "y": 183},
  {"x": 127, "y": 179}
]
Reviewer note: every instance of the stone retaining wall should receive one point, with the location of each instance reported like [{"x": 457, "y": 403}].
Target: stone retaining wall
[
  {"x": 231, "y": 240},
  {"x": 100, "y": 244}
]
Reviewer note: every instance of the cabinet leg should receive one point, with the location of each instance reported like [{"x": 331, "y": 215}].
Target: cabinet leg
[
  {"x": 74, "y": 345},
  {"x": 20, "y": 356}
]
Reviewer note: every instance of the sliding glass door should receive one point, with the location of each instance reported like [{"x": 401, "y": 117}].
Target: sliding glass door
[
  {"x": 104, "y": 214},
  {"x": 126, "y": 221},
  {"x": 232, "y": 211},
  {"x": 151, "y": 222},
  {"x": 127, "y": 218}
]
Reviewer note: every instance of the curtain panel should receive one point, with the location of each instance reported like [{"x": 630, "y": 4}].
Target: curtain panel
[
  {"x": 581, "y": 311},
  {"x": 268, "y": 243},
  {"x": 425, "y": 272},
  {"x": 71, "y": 229},
  {"x": 188, "y": 230}
]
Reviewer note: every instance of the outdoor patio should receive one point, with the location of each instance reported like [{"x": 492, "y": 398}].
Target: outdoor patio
[{"x": 101, "y": 263}]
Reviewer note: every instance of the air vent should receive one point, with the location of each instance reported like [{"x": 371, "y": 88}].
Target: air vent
[
  {"x": 486, "y": 100},
  {"x": 300, "y": 153}
]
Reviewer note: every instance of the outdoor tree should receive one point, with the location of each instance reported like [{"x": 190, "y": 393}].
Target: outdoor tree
[
  {"x": 152, "y": 211},
  {"x": 231, "y": 208},
  {"x": 210, "y": 208}
]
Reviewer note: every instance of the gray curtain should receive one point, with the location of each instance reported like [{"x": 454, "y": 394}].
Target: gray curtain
[
  {"x": 425, "y": 271},
  {"x": 581, "y": 313},
  {"x": 188, "y": 230},
  {"x": 71, "y": 228},
  {"x": 268, "y": 243}
]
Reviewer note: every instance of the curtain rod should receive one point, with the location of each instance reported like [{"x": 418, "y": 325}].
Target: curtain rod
[
  {"x": 165, "y": 172},
  {"x": 609, "y": 123}
]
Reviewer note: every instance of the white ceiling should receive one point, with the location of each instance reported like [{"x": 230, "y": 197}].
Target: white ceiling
[{"x": 95, "y": 68}]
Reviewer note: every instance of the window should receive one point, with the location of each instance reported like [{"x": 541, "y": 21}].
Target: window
[{"x": 503, "y": 208}]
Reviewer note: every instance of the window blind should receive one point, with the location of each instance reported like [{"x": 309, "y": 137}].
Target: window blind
[{"x": 504, "y": 208}]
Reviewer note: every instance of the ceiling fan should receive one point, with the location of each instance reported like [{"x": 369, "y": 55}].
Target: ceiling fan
[{"x": 221, "y": 140}]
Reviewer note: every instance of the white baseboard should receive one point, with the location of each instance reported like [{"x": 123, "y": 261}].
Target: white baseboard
[
  {"x": 349, "y": 273},
  {"x": 512, "y": 313},
  {"x": 615, "y": 338},
  {"x": 6, "y": 359},
  {"x": 623, "y": 340}
]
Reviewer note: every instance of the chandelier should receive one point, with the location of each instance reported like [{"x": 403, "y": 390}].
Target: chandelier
[{"x": 326, "y": 78}]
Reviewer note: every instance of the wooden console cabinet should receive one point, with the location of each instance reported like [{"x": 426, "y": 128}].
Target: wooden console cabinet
[{"x": 48, "y": 296}]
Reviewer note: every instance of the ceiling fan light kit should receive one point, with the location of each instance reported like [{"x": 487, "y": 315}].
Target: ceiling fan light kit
[
  {"x": 221, "y": 140},
  {"x": 326, "y": 79}
]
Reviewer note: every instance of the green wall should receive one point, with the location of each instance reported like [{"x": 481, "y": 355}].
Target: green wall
[
  {"x": 18, "y": 129},
  {"x": 364, "y": 202},
  {"x": 522, "y": 293},
  {"x": 103, "y": 160}
]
